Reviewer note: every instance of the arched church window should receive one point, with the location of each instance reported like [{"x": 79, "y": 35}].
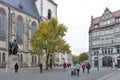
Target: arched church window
[
  {"x": 0, "y": 57},
  {"x": 49, "y": 14},
  {"x": 21, "y": 58},
  {"x": 3, "y": 57},
  {"x": 35, "y": 59},
  {"x": 32, "y": 59},
  {"x": 2, "y": 24},
  {"x": 34, "y": 27},
  {"x": 19, "y": 29}
]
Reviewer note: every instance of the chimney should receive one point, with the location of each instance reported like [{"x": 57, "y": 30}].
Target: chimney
[{"x": 91, "y": 18}]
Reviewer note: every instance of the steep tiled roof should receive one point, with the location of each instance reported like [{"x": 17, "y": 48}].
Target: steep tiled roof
[
  {"x": 26, "y": 6},
  {"x": 97, "y": 19},
  {"x": 116, "y": 13}
]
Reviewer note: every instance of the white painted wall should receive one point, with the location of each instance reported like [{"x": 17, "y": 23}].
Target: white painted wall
[
  {"x": 44, "y": 9},
  {"x": 47, "y": 5},
  {"x": 38, "y": 5}
]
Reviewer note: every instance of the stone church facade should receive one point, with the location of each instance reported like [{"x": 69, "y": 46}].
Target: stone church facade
[
  {"x": 104, "y": 39},
  {"x": 18, "y": 20}
]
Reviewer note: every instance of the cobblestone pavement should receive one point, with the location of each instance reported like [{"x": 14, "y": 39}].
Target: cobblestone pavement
[
  {"x": 116, "y": 76},
  {"x": 56, "y": 74},
  {"x": 113, "y": 76}
]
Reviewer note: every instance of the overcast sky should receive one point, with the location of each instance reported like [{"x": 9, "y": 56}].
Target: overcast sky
[{"x": 76, "y": 16}]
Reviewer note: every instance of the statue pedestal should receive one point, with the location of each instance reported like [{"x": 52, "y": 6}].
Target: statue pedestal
[{"x": 12, "y": 61}]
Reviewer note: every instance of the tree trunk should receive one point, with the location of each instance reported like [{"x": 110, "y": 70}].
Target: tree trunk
[{"x": 47, "y": 61}]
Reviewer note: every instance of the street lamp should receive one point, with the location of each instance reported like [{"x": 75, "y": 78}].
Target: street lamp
[
  {"x": 28, "y": 19},
  {"x": 98, "y": 61},
  {"x": 113, "y": 62}
]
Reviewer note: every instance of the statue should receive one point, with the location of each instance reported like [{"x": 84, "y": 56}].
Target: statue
[
  {"x": 10, "y": 48},
  {"x": 13, "y": 48}
]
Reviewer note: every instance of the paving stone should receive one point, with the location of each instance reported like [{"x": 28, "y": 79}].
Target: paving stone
[{"x": 55, "y": 74}]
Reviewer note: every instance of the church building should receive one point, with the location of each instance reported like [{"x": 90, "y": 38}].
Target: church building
[{"x": 18, "y": 20}]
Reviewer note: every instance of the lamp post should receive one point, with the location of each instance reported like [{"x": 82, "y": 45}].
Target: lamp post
[
  {"x": 98, "y": 62},
  {"x": 113, "y": 62}
]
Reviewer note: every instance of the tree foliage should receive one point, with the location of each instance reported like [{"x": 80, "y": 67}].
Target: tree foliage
[
  {"x": 48, "y": 39},
  {"x": 83, "y": 57},
  {"x": 75, "y": 59}
]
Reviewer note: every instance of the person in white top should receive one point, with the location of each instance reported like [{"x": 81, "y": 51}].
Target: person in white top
[
  {"x": 73, "y": 70},
  {"x": 78, "y": 68}
]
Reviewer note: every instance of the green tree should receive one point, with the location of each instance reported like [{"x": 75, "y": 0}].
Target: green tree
[
  {"x": 48, "y": 39},
  {"x": 83, "y": 57},
  {"x": 75, "y": 59}
]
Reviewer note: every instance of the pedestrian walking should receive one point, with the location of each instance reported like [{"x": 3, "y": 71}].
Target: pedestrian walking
[
  {"x": 83, "y": 67},
  {"x": 73, "y": 70},
  {"x": 88, "y": 67},
  {"x": 65, "y": 65},
  {"x": 41, "y": 67},
  {"x": 16, "y": 68},
  {"x": 78, "y": 68}
]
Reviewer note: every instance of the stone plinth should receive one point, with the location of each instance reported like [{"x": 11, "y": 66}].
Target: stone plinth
[{"x": 13, "y": 59}]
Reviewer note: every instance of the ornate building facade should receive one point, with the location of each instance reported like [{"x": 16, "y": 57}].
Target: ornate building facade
[{"x": 104, "y": 39}]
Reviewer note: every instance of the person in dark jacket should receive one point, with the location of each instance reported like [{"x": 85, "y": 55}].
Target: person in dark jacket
[
  {"x": 88, "y": 67},
  {"x": 16, "y": 67},
  {"x": 41, "y": 67}
]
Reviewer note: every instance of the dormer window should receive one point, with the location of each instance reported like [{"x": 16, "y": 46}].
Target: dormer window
[
  {"x": 108, "y": 22},
  {"x": 96, "y": 26},
  {"x": 117, "y": 20},
  {"x": 20, "y": 6}
]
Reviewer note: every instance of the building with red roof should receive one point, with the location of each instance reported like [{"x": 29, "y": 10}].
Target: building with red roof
[{"x": 104, "y": 39}]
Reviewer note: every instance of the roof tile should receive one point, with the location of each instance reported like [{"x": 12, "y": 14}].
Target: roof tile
[{"x": 26, "y": 6}]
